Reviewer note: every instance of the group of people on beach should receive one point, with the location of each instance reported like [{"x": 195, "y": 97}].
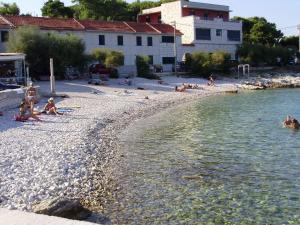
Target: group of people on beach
[
  {"x": 26, "y": 107},
  {"x": 184, "y": 86}
]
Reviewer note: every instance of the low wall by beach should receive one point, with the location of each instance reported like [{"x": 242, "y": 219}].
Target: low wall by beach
[{"x": 11, "y": 98}]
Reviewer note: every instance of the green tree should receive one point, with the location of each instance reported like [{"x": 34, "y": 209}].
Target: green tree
[
  {"x": 39, "y": 47},
  {"x": 290, "y": 42},
  {"x": 101, "y": 9},
  {"x": 142, "y": 66},
  {"x": 258, "y": 54},
  {"x": 259, "y": 30},
  {"x": 56, "y": 8},
  {"x": 9, "y": 9}
]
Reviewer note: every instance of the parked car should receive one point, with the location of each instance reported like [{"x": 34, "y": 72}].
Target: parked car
[
  {"x": 4, "y": 86},
  {"x": 99, "y": 69}
]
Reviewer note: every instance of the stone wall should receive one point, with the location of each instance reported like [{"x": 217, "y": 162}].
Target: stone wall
[{"x": 10, "y": 98}]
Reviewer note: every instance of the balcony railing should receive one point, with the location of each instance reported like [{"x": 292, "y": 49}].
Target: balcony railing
[{"x": 215, "y": 18}]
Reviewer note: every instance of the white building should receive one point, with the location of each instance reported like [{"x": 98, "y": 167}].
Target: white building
[
  {"x": 199, "y": 27},
  {"x": 131, "y": 38},
  {"x": 205, "y": 27}
]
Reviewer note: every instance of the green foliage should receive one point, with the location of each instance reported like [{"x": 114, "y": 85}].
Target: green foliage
[
  {"x": 101, "y": 9},
  {"x": 143, "y": 67},
  {"x": 112, "y": 9},
  {"x": 108, "y": 57},
  {"x": 259, "y": 30},
  {"x": 221, "y": 61},
  {"x": 99, "y": 54},
  {"x": 290, "y": 42},
  {"x": 114, "y": 59},
  {"x": 39, "y": 47},
  {"x": 9, "y": 9},
  {"x": 203, "y": 63},
  {"x": 258, "y": 54},
  {"x": 56, "y": 8}
]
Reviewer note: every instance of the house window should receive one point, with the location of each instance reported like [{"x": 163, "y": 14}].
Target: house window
[
  {"x": 219, "y": 33},
  {"x": 150, "y": 59},
  {"x": 205, "y": 16},
  {"x": 101, "y": 40},
  {"x": 168, "y": 60},
  {"x": 139, "y": 41},
  {"x": 159, "y": 19},
  {"x": 149, "y": 41},
  {"x": 167, "y": 39},
  {"x": 148, "y": 19},
  {"x": 203, "y": 34},
  {"x": 234, "y": 35},
  {"x": 4, "y": 36},
  {"x": 221, "y": 16},
  {"x": 120, "y": 40}
]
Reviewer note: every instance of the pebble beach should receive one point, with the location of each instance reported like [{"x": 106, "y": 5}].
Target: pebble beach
[{"x": 74, "y": 155}]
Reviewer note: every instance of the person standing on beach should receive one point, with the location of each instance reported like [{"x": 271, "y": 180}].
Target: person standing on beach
[
  {"x": 31, "y": 96},
  {"x": 211, "y": 81}
]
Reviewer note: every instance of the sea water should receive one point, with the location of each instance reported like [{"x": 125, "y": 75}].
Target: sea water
[{"x": 222, "y": 160}]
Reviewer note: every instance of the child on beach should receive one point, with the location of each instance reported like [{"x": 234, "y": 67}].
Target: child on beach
[{"x": 50, "y": 108}]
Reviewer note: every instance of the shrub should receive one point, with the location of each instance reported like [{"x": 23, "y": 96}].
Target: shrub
[
  {"x": 257, "y": 54},
  {"x": 39, "y": 47},
  {"x": 114, "y": 59},
  {"x": 99, "y": 54},
  {"x": 221, "y": 61},
  {"x": 201, "y": 63},
  {"x": 142, "y": 66}
]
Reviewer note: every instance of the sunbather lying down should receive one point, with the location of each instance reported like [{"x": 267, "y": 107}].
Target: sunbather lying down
[
  {"x": 191, "y": 86},
  {"x": 180, "y": 89}
]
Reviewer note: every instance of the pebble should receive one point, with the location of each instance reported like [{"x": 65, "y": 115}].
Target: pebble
[{"x": 66, "y": 155}]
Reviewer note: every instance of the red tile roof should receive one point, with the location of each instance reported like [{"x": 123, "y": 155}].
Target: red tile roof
[
  {"x": 45, "y": 23},
  {"x": 165, "y": 28},
  {"x": 4, "y": 23},
  {"x": 116, "y": 26},
  {"x": 141, "y": 27},
  {"x": 72, "y": 24}
]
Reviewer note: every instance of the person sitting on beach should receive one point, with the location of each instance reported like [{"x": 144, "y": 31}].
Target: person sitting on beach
[
  {"x": 50, "y": 108},
  {"x": 23, "y": 115},
  {"x": 211, "y": 81},
  {"x": 180, "y": 89},
  {"x": 31, "y": 96}
]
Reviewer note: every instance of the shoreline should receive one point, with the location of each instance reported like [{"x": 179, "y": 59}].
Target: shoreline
[
  {"x": 103, "y": 114},
  {"x": 69, "y": 156},
  {"x": 112, "y": 130}
]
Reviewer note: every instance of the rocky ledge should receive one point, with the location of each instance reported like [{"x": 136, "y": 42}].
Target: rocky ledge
[{"x": 286, "y": 80}]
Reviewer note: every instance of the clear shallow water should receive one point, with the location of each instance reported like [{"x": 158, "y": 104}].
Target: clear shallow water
[{"x": 223, "y": 160}]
